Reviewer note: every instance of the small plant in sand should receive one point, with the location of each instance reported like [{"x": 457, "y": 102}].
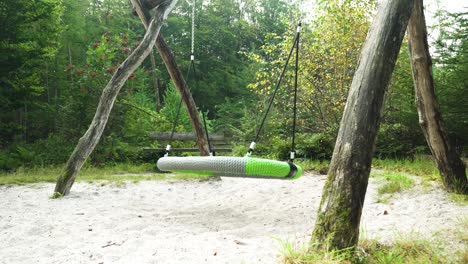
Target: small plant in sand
[
  {"x": 401, "y": 251},
  {"x": 393, "y": 183},
  {"x": 461, "y": 199},
  {"x": 293, "y": 253},
  {"x": 56, "y": 195}
]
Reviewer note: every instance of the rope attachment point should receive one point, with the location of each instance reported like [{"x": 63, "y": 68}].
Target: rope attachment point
[
  {"x": 292, "y": 156},
  {"x": 251, "y": 149},
  {"x": 168, "y": 149}
]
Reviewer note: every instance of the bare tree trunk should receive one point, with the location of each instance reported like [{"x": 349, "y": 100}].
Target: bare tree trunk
[
  {"x": 178, "y": 79},
  {"x": 451, "y": 167},
  {"x": 339, "y": 214},
  {"x": 88, "y": 142}
]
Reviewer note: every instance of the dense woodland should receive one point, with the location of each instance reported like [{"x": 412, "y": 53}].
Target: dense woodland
[{"x": 56, "y": 56}]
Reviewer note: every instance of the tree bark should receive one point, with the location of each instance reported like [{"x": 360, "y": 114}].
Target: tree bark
[
  {"x": 179, "y": 82},
  {"x": 339, "y": 214},
  {"x": 451, "y": 167},
  {"x": 88, "y": 142}
]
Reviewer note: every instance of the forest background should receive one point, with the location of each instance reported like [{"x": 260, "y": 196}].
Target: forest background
[{"x": 57, "y": 56}]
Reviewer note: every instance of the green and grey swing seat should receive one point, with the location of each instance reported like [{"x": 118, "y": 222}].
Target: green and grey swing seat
[
  {"x": 232, "y": 167},
  {"x": 238, "y": 166}
]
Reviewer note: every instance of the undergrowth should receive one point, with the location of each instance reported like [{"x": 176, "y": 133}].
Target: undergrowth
[
  {"x": 116, "y": 174},
  {"x": 400, "y": 251},
  {"x": 320, "y": 166},
  {"x": 424, "y": 168}
]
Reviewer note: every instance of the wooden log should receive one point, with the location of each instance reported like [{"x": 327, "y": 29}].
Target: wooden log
[
  {"x": 185, "y": 149},
  {"x": 451, "y": 167},
  {"x": 88, "y": 142},
  {"x": 183, "y": 136},
  {"x": 179, "y": 82},
  {"x": 339, "y": 214}
]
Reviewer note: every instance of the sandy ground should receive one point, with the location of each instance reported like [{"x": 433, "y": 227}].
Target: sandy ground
[{"x": 230, "y": 221}]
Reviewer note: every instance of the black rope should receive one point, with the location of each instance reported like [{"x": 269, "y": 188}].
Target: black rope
[
  {"x": 192, "y": 66},
  {"x": 192, "y": 59},
  {"x": 272, "y": 98},
  {"x": 179, "y": 107},
  {"x": 293, "y": 143}
]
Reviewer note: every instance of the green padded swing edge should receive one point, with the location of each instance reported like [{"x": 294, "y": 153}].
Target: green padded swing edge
[{"x": 231, "y": 167}]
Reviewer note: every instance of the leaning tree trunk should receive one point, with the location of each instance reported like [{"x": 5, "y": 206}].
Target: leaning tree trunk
[
  {"x": 88, "y": 142},
  {"x": 176, "y": 75},
  {"x": 339, "y": 214},
  {"x": 451, "y": 167}
]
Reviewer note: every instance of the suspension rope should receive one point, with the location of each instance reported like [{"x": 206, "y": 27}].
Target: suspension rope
[
  {"x": 272, "y": 98},
  {"x": 191, "y": 67},
  {"x": 176, "y": 120},
  {"x": 296, "y": 70},
  {"x": 192, "y": 50},
  {"x": 210, "y": 149}
]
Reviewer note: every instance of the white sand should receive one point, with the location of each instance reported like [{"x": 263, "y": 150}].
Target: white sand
[{"x": 230, "y": 221}]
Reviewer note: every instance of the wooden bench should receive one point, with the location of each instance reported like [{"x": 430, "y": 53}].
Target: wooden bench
[{"x": 219, "y": 141}]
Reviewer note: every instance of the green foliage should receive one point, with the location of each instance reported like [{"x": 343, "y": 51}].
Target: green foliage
[
  {"x": 316, "y": 146},
  {"x": 28, "y": 44},
  {"x": 174, "y": 112},
  {"x": 399, "y": 133},
  {"x": 451, "y": 80},
  {"x": 232, "y": 119},
  {"x": 397, "y": 141},
  {"x": 330, "y": 54},
  {"x": 221, "y": 68},
  {"x": 42, "y": 152}
]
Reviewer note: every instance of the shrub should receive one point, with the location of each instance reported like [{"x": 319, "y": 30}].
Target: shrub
[
  {"x": 397, "y": 140},
  {"x": 53, "y": 150},
  {"x": 316, "y": 146}
]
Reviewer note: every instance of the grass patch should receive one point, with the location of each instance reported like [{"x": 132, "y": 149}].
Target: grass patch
[
  {"x": 463, "y": 227},
  {"x": 296, "y": 254},
  {"x": 401, "y": 251},
  {"x": 395, "y": 182},
  {"x": 392, "y": 183},
  {"x": 425, "y": 168},
  {"x": 116, "y": 174},
  {"x": 461, "y": 199}
]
